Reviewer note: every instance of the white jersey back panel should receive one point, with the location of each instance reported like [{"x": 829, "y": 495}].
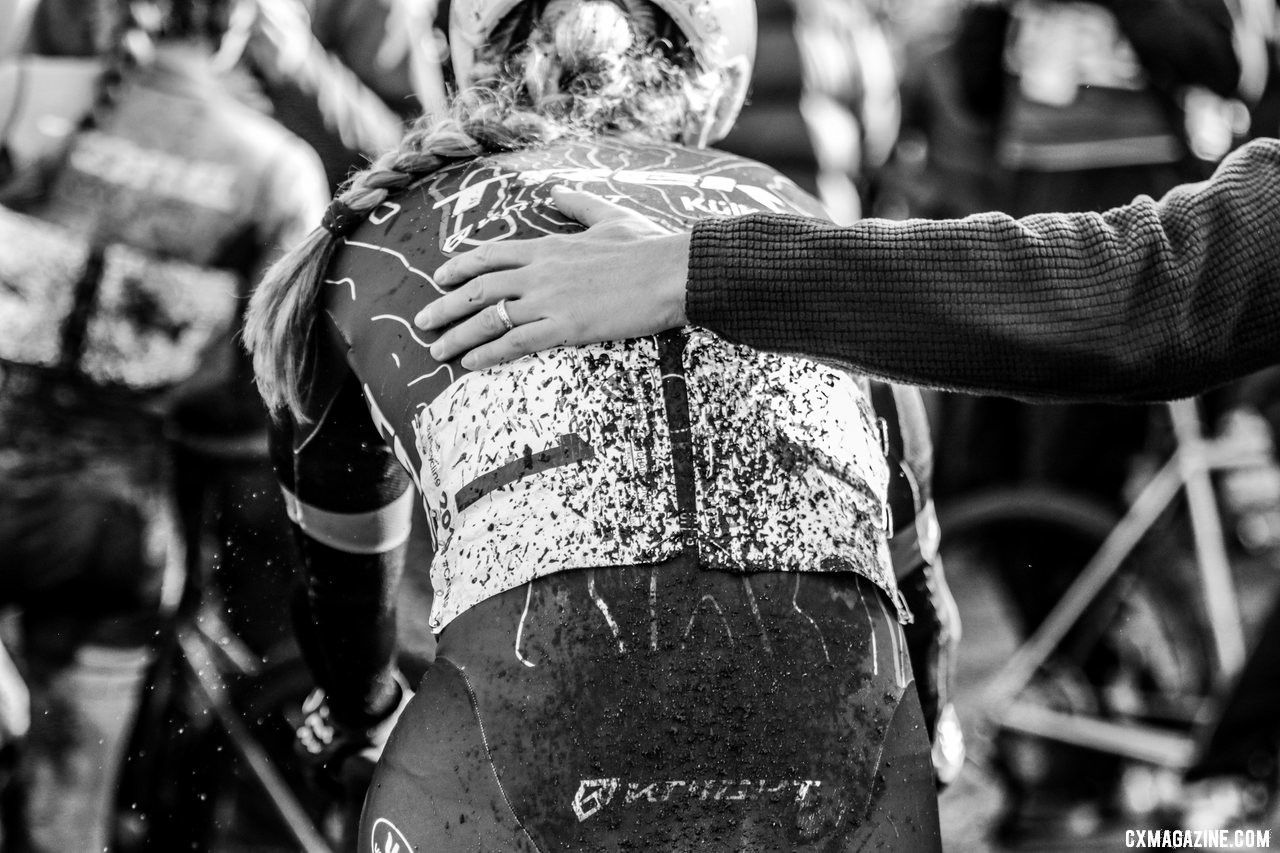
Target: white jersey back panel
[{"x": 613, "y": 454}]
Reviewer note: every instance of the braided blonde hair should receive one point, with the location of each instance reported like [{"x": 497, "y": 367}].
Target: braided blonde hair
[{"x": 583, "y": 69}]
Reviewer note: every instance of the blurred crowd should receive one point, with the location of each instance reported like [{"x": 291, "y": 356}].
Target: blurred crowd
[{"x": 159, "y": 140}]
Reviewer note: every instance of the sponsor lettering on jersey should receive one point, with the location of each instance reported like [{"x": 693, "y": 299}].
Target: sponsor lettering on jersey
[
  {"x": 119, "y": 161},
  {"x": 595, "y": 795}
]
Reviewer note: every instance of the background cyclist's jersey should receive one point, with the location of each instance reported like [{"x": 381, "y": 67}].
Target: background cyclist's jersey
[
  {"x": 610, "y": 454},
  {"x": 128, "y": 272}
]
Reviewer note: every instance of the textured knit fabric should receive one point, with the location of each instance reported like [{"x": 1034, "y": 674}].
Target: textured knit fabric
[{"x": 1153, "y": 300}]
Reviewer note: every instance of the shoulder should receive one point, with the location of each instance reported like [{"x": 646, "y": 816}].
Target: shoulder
[
  {"x": 385, "y": 266},
  {"x": 183, "y": 106},
  {"x": 670, "y": 183},
  {"x": 261, "y": 140},
  {"x": 287, "y": 175}
]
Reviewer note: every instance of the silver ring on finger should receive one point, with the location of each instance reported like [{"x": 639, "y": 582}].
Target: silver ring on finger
[{"x": 501, "y": 308}]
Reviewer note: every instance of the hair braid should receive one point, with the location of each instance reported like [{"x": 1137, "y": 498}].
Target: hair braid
[{"x": 279, "y": 325}]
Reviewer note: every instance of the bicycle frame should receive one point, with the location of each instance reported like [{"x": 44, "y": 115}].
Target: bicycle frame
[{"x": 1189, "y": 469}]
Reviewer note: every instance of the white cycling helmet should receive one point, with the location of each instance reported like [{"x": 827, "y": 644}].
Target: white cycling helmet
[{"x": 720, "y": 33}]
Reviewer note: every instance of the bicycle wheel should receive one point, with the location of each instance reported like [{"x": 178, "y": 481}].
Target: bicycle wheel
[
  {"x": 1034, "y": 541},
  {"x": 1138, "y": 653}
]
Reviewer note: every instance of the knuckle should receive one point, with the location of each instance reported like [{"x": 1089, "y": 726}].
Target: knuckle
[
  {"x": 476, "y": 291},
  {"x": 575, "y": 321},
  {"x": 519, "y": 340},
  {"x": 489, "y": 321},
  {"x": 442, "y": 308}
]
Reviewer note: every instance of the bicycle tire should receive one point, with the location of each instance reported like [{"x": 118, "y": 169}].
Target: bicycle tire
[
  {"x": 1044, "y": 503},
  {"x": 1044, "y": 778},
  {"x": 1052, "y": 517}
]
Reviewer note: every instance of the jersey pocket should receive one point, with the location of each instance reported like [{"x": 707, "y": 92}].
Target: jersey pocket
[
  {"x": 555, "y": 461},
  {"x": 791, "y": 472}
]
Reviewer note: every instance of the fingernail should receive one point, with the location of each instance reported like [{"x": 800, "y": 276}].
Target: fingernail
[
  {"x": 423, "y": 319},
  {"x": 469, "y": 361},
  {"x": 435, "y": 352},
  {"x": 442, "y": 272}
]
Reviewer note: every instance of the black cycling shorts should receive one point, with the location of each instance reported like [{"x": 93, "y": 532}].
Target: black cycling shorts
[{"x": 663, "y": 708}]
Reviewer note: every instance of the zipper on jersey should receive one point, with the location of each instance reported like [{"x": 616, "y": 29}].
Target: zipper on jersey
[
  {"x": 675, "y": 399},
  {"x": 76, "y": 325}
]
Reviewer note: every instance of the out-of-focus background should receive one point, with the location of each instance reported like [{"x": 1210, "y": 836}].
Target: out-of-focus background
[{"x": 1147, "y": 701}]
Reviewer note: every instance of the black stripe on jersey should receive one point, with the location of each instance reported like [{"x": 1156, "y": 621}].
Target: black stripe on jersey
[{"x": 567, "y": 450}]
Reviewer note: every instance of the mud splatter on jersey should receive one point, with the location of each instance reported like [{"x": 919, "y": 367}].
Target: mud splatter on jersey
[{"x": 620, "y": 453}]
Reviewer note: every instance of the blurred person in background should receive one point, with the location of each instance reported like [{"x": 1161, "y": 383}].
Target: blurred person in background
[
  {"x": 823, "y": 106},
  {"x": 1090, "y": 104},
  {"x": 226, "y": 488},
  {"x": 141, "y": 198},
  {"x": 344, "y": 75}
]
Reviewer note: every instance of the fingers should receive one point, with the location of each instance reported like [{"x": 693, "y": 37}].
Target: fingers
[
  {"x": 480, "y": 328},
  {"x": 468, "y": 299},
  {"x": 490, "y": 257},
  {"x": 585, "y": 207},
  {"x": 588, "y": 208},
  {"x": 520, "y": 341}
]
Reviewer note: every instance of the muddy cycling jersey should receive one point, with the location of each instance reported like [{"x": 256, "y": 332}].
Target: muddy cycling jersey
[
  {"x": 611, "y": 454},
  {"x": 114, "y": 316},
  {"x": 134, "y": 260}
]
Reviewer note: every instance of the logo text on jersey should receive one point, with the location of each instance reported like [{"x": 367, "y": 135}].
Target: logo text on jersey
[{"x": 594, "y": 795}]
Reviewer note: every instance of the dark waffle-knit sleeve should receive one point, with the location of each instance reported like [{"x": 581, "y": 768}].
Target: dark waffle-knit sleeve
[{"x": 1153, "y": 300}]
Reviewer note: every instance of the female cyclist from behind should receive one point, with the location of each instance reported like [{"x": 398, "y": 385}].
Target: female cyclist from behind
[{"x": 664, "y": 601}]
